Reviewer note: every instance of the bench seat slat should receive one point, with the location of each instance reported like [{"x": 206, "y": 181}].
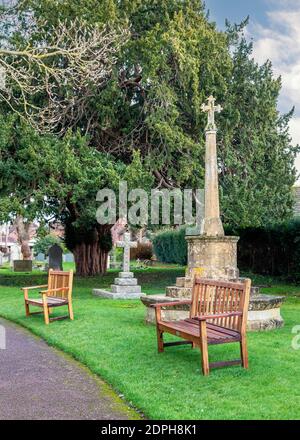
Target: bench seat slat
[
  {"x": 192, "y": 328},
  {"x": 51, "y": 301},
  {"x": 212, "y": 326}
]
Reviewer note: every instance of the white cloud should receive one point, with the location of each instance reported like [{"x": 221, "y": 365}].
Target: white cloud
[
  {"x": 295, "y": 133},
  {"x": 280, "y": 42},
  {"x": 295, "y": 130}
]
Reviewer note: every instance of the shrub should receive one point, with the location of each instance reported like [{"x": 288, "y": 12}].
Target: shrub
[
  {"x": 171, "y": 247},
  {"x": 270, "y": 250},
  {"x": 143, "y": 251},
  {"x": 43, "y": 244}
]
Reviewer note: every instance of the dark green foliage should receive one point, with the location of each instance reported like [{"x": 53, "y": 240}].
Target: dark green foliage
[
  {"x": 43, "y": 244},
  {"x": 174, "y": 59},
  {"x": 171, "y": 247},
  {"x": 270, "y": 250},
  {"x": 105, "y": 241}
]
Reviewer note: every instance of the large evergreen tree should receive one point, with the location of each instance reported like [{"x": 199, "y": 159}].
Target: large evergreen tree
[
  {"x": 174, "y": 58},
  {"x": 256, "y": 155},
  {"x": 43, "y": 177}
]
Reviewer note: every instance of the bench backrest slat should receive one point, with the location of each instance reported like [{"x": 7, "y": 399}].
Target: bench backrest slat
[
  {"x": 215, "y": 297},
  {"x": 58, "y": 279}
]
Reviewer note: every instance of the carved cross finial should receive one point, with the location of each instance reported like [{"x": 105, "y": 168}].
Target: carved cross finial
[{"x": 210, "y": 108}]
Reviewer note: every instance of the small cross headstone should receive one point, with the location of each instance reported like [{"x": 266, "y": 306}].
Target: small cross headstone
[
  {"x": 125, "y": 285},
  {"x": 55, "y": 257},
  {"x": 127, "y": 244}
]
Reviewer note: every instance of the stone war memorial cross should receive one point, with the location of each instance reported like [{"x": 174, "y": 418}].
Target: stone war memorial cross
[
  {"x": 212, "y": 254},
  {"x": 126, "y": 244}
]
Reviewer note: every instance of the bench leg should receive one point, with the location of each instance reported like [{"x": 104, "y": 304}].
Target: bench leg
[
  {"x": 27, "y": 311},
  {"x": 70, "y": 307},
  {"x": 204, "y": 349},
  {"x": 160, "y": 341},
  {"x": 244, "y": 352},
  {"x": 46, "y": 311}
]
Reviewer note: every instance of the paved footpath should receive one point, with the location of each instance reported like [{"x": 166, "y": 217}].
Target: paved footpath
[{"x": 39, "y": 382}]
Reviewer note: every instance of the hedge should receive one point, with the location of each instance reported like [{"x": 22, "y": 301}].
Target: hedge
[
  {"x": 270, "y": 250},
  {"x": 170, "y": 246}
]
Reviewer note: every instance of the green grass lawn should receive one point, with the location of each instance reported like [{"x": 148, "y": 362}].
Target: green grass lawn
[{"x": 111, "y": 339}]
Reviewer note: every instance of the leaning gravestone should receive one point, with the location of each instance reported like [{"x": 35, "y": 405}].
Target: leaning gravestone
[
  {"x": 125, "y": 286},
  {"x": 55, "y": 257}
]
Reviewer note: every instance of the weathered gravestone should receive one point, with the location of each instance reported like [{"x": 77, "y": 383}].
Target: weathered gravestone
[
  {"x": 55, "y": 257},
  {"x": 40, "y": 257},
  {"x": 15, "y": 254},
  {"x": 22, "y": 265}
]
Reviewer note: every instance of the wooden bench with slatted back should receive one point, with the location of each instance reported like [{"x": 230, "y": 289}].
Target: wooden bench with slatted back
[
  {"x": 58, "y": 293},
  {"x": 218, "y": 315}
]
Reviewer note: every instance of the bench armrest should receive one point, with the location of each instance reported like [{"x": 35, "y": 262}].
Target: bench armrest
[
  {"x": 59, "y": 289},
  {"x": 218, "y": 315},
  {"x": 172, "y": 304},
  {"x": 34, "y": 287}
]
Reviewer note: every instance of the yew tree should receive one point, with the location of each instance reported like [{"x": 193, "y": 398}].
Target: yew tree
[
  {"x": 166, "y": 57},
  {"x": 46, "y": 178}
]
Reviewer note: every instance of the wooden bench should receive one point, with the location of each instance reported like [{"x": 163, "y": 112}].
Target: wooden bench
[
  {"x": 218, "y": 315},
  {"x": 58, "y": 293}
]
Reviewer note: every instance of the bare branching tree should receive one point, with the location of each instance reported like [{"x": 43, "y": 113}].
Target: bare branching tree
[{"x": 51, "y": 82}]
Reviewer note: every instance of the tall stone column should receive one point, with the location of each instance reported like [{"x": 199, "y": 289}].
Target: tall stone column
[{"x": 212, "y": 224}]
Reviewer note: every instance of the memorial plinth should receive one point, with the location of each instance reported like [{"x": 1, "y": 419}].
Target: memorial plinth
[
  {"x": 124, "y": 287},
  {"x": 214, "y": 256}
]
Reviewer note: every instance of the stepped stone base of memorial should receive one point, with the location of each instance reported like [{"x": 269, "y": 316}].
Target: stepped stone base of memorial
[
  {"x": 264, "y": 310},
  {"x": 124, "y": 287}
]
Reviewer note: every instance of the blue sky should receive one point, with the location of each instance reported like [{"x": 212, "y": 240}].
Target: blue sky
[
  {"x": 275, "y": 29},
  {"x": 236, "y": 10}
]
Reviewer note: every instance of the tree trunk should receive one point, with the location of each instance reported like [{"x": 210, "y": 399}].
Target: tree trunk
[
  {"x": 90, "y": 259},
  {"x": 22, "y": 229}
]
